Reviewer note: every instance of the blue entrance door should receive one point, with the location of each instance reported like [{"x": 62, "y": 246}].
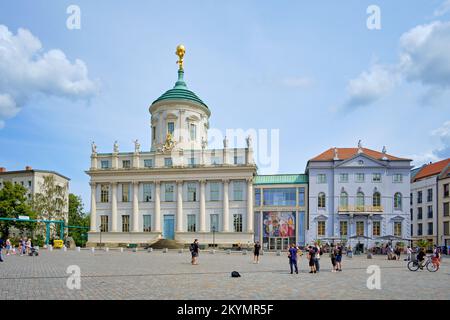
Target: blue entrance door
[{"x": 169, "y": 230}]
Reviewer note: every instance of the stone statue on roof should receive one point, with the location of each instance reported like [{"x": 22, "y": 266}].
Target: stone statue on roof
[
  {"x": 137, "y": 146},
  {"x": 94, "y": 147},
  {"x": 116, "y": 147}
]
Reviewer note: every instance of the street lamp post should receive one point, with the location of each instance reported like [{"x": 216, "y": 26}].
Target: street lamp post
[
  {"x": 214, "y": 236},
  {"x": 100, "y": 228}
]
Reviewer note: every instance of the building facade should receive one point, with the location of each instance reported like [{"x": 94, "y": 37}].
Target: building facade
[
  {"x": 281, "y": 210},
  {"x": 178, "y": 189},
  {"x": 443, "y": 212},
  {"x": 358, "y": 192}
]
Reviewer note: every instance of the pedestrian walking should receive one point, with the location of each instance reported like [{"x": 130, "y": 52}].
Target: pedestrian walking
[
  {"x": 194, "y": 252},
  {"x": 8, "y": 246},
  {"x": 333, "y": 253},
  {"x": 436, "y": 258},
  {"x": 292, "y": 255},
  {"x": 318, "y": 250},
  {"x": 408, "y": 253},
  {"x": 256, "y": 250},
  {"x": 339, "y": 258}
]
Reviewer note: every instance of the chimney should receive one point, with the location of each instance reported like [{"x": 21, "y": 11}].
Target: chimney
[
  {"x": 28, "y": 168},
  {"x": 2, "y": 169}
]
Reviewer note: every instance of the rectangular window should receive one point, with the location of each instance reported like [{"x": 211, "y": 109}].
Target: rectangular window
[
  {"x": 192, "y": 192},
  {"x": 398, "y": 229},
  {"x": 238, "y": 160},
  {"x": 238, "y": 191},
  {"x": 446, "y": 209},
  {"x": 419, "y": 229},
  {"x": 446, "y": 228},
  {"x": 168, "y": 162},
  {"x": 446, "y": 190},
  {"x": 105, "y": 164},
  {"x": 301, "y": 197},
  {"x": 430, "y": 195},
  {"x": 148, "y": 163},
  {"x": 397, "y": 178},
  {"x": 359, "y": 177},
  {"x": 321, "y": 178},
  {"x": 168, "y": 190},
  {"x": 376, "y": 177},
  {"x": 430, "y": 228},
  {"x": 215, "y": 161},
  {"x": 257, "y": 197},
  {"x": 29, "y": 184},
  {"x": 430, "y": 212},
  {"x": 104, "y": 223},
  {"x": 170, "y": 127},
  {"x": 412, "y": 230},
  {"x": 237, "y": 222},
  {"x": 191, "y": 222},
  {"x": 214, "y": 222},
  {"x": 126, "y": 223},
  {"x": 193, "y": 132},
  {"x": 343, "y": 177},
  {"x": 320, "y": 228},
  {"x": 147, "y": 222},
  {"x": 125, "y": 192},
  {"x": 104, "y": 193},
  {"x": 126, "y": 164},
  {"x": 359, "y": 228},
  {"x": 153, "y": 132},
  {"x": 411, "y": 213},
  {"x": 419, "y": 213},
  {"x": 411, "y": 199},
  {"x": 343, "y": 228},
  {"x": 192, "y": 161},
  {"x": 279, "y": 197},
  {"x": 214, "y": 188},
  {"x": 147, "y": 188},
  {"x": 376, "y": 228},
  {"x": 419, "y": 197}
]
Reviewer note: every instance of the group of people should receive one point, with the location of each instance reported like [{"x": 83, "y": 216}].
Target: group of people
[
  {"x": 24, "y": 247},
  {"x": 313, "y": 254}
]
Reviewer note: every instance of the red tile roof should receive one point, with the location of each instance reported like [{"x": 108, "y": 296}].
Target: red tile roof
[
  {"x": 347, "y": 153},
  {"x": 432, "y": 169}
]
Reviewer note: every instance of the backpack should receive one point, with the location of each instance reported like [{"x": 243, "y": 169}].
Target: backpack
[
  {"x": 191, "y": 247},
  {"x": 235, "y": 274}
]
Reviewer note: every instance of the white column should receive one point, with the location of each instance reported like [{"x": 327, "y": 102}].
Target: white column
[
  {"x": 93, "y": 207},
  {"x": 202, "y": 206},
  {"x": 157, "y": 206},
  {"x": 226, "y": 208},
  {"x": 135, "y": 206},
  {"x": 114, "y": 207},
  {"x": 179, "y": 206},
  {"x": 250, "y": 205}
]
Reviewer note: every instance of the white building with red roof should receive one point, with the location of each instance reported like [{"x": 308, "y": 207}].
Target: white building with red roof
[{"x": 358, "y": 192}]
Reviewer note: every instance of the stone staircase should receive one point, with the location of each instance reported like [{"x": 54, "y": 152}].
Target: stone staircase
[{"x": 165, "y": 243}]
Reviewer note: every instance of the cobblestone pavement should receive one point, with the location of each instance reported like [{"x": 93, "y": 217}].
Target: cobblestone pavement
[{"x": 158, "y": 275}]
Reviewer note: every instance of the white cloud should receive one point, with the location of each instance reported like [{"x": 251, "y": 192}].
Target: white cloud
[
  {"x": 443, "y": 8},
  {"x": 26, "y": 70},
  {"x": 443, "y": 133},
  {"x": 424, "y": 58}
]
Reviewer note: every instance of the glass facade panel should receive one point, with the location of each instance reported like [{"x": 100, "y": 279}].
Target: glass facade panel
[
  {"x": 301, "y": 197},
  {"x": 279, "y": 197},
  {"x": 257, "y": 197},
  {"x": 214, "y": 191},
  {"x": 191, "y": 225},
  {"x": 147, "y": 222},
  {"x": 147, "y": 187}
]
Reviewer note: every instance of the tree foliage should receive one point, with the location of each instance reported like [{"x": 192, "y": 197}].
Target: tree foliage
[
  {"x": 13, "y": 203},
  {"x": 77, "y": 218}
]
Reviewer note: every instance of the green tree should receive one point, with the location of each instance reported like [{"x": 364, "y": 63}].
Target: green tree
[
  {"x": 13, "y": 203},
  {"x": 77, "y": 218},
  {"x": 51, "y": 202}
]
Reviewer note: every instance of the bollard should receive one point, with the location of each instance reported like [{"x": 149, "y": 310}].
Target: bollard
[
  {"x": 107, "y": 249},
  {"x": 228, "y": 251},
  {"x": 121, "y": 249},
  {"x": 244, "y": 252},
  {"x": 212, "y": 251},
  {"x": 64, "y": 248},
  {"x": 50, "y": 248},
  {"x": 150, "y": 250},
  {"x": 180, "y": 251},
  {"x": 78, "y": 249},
  {"x": 278, "y": 253},
  {"x": 165, "y": 250},
  {"x": 93, "y": 250}
]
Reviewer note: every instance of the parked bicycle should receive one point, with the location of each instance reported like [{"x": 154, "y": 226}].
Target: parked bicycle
[{"x": 428, "y": 263}]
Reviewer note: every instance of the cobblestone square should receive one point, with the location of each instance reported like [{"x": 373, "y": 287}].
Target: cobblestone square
[{"x": 158, "y": 275}]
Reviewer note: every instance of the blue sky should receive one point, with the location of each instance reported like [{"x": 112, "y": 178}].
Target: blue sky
[{"x": 311, "y": 69}]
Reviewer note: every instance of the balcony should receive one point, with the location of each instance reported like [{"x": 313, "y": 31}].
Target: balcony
[{"x": 360, "y": 209}]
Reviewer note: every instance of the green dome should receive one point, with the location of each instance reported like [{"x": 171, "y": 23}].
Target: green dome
[{"x": 180, "y": 92}]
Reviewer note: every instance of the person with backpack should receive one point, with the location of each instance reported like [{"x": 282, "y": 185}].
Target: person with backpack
[
  {"x": 194, "y": 252},
  {"x": 333, "y": 253},
  {"x": 292, "y": 255},
  {"x": 256, "y": 250},
  {"x": 311, "y": 257},
  {"x": 339, "y": 258}
]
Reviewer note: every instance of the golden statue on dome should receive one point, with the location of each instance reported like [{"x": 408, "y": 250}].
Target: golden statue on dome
[{"x": 180, "y": 53}]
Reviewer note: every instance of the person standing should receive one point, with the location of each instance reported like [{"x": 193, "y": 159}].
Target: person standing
[
  {"x": 292, "y": 255},
  {"x": 1, "y": 250},
  {"x": 194, "y": 252},
  {"x": 256, "y": 250},
  {"x": 436, "y": 258},
  {"x": 408, "y": 253},
  {"x": 339, "y": 258},
  {"x": 8, "y": 246},
  {"x": 333, "y": 253},
  {"x": 28, "y": 246},
  {"x": 311, "y": 258},
  {"x": 318, "y": 251}
]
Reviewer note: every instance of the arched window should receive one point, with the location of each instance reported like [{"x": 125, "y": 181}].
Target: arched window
[
  {"x": 343, "y": 204},
  {"x": 321, "y": 200},
  {"x": 376, "y": 200},
  {"x": 360, "y": 201},
  {"x": 398, "y": 201}
]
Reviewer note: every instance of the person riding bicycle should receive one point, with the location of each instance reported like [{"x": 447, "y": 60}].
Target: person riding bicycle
[{"x": 421, "y": 257}]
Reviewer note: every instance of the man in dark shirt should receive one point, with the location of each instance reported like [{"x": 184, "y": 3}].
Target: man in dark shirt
[
  {"x": 292, "y": 255},
  {"x": 256, "y": 250},
  {"x": 421, "y": 257},
  {"x": 194, "y": 252}
]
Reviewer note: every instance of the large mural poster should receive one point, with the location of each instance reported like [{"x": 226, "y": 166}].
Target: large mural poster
[{"x": 279, "y": 224}]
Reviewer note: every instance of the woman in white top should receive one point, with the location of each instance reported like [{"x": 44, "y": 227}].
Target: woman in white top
[{"x": 408, "y": 253}]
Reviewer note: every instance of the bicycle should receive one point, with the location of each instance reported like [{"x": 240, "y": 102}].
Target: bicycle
[{"x": 414, "y": 265}]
